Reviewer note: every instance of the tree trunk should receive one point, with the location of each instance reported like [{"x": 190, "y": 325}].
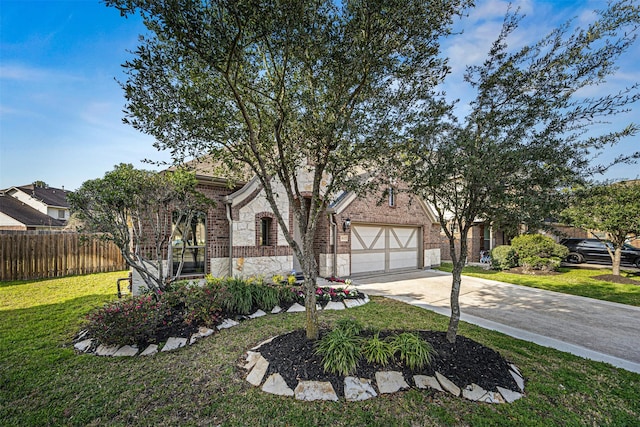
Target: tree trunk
[
  {"x": 452, "y": 330},
  {"x": 311, "y": 323},
  {"x": 308, "y": 264},
  {"x": 615, "y": 265},
  {"x": 459, "y": 260}
]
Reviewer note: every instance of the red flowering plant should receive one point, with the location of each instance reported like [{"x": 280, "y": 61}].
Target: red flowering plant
[
  {"x": 332, "y": 293},
  {"x": 126, "y": 322},
  {"x": 195, "y": 304},
  {"x": 298, "y": 293}
]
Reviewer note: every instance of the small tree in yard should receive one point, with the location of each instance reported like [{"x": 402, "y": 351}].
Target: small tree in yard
[
  {"x": 610, "y": 208},
  {"x": 288, "y": 88},
  {"x": 137, "y": 210},
  {"x": 525, "y": 136}
]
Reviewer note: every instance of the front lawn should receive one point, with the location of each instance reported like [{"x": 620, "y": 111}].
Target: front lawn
[
  {"x": 43, "y": 382},
  {"x": 569, "y": 280}
]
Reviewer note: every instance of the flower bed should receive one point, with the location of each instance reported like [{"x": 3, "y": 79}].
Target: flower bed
[{"x": 185, "y": 306}]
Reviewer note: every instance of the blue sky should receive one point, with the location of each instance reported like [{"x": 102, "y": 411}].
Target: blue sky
[{"x": 61, "y": 106}]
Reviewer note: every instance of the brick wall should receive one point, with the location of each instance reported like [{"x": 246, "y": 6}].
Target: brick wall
[
  {"x": 217, "y": 222},
  {"x": 560, "y": 232},
  {"x": 375, "y": 209}
]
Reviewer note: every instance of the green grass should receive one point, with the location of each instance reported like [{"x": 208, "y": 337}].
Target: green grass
[
  {"x": 42, "y": 381},
  {"x": 574, "y": 281}
]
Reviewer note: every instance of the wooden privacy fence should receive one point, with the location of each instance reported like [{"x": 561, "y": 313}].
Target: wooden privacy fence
[{"x": 36, "y": 255}]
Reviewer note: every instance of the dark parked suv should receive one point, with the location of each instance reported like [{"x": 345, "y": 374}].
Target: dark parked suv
[{"x": 594, "y": 250}]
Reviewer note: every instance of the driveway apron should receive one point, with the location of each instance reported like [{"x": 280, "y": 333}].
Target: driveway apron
[{"x": 594, "y": 329}]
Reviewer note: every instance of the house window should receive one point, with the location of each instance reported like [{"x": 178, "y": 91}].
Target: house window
[
  {"x": 265, "y": 231},
  {"x": 392, "y": 197},
  {"x": 61, "y": 214},
  {"x": 188, "y": 245}
]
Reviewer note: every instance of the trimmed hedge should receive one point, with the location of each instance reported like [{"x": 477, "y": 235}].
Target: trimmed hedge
[
  {"x": 503, "y": 257},
  {"x": 538, "y": 252}
]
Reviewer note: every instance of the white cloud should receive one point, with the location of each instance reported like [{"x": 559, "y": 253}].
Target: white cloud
[{"x": 26, "y": 73}]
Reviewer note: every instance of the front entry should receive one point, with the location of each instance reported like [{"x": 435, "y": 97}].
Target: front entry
[{"x": 384, "y": 248}]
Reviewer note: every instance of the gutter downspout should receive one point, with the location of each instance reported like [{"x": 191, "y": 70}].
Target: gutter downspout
[
  {"x": 230, "y": 219},
  {"x": 334, "y": 227}
]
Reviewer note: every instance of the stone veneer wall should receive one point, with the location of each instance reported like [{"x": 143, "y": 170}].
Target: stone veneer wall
[
  {"x": 137, "y": 284},
  {"x": 262, "y": 266},
  {"x": 325, "y": 265},
  {"x": 432, "y": 258},
  {"x": 244, "y": 218}
]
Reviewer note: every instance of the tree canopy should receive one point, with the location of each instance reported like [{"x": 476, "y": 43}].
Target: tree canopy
[
  {"x": 611, "y": 208},
  {"x": 530, "y": 130},
  {"x": 288, "y": 87},
  {"x": 138, "y": 211}
]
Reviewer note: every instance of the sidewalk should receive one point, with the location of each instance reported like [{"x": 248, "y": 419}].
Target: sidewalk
[{"x": 593, "y": 329}]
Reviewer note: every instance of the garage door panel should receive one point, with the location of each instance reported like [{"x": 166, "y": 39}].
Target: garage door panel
[
  {"x": 383, "y": 248},
  {"x": 406, "y": 259},
  {"x": 403, "y": 238},
  {"x": 365, "y": 262},
  {"x": 367, "y": 237}
]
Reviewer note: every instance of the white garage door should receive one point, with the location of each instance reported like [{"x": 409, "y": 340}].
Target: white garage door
[{"x": 383, "y": 248}]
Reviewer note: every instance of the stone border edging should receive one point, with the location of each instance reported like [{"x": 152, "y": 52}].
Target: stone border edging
[
  {"x": 386, "y": 382},
  {"x": 85, "y": 345}
]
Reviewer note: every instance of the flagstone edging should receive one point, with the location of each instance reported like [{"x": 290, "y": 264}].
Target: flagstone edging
[
  {"x": 385, "y": 382},
  {"x": 84, "y": 345}
]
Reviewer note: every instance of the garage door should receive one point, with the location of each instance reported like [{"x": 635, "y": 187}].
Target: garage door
[{"x": 384, "y": 248}]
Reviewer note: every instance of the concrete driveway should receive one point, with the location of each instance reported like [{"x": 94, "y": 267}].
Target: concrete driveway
[{"x": 589, "y": 328}]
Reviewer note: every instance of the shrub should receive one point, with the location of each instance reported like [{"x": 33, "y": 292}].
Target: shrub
[
  {"x": 203, "y": 305},
  {"x": 350, "y": 325},
  {"x": 266, "y": 296},
  {"x": 126, "y": 322},
  {"x": 340, "y": 351},
  {"x": 541, "y": 264},
  {"x": 376, "y": 350},
  {"x": 286, "y": 295},
  {"x": 538, "y": 252},
  {"x": 239, "y": 298},
  {"x": 413, "y": 350},
  {"x": 196, "y": 304},
  {"x": 503, "y": 257}
]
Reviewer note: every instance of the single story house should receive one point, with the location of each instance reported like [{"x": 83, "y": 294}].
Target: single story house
[{"x": 357, "y": 235}]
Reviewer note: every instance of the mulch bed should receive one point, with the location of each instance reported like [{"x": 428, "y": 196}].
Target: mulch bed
[{"x": 465, "y": 362}]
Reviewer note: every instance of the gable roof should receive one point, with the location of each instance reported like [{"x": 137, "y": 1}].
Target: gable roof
[
  {"x": 54, "y": 197},
  {"x": 25, "y": 214},
  {"x": 208, "y": 168}
]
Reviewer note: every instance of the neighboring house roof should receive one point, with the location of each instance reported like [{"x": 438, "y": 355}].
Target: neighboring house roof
[
  {"x": 25, "y": 214},
  {"x": 53, "y": 197}
]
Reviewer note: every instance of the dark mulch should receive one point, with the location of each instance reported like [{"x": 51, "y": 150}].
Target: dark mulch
[
  {"x": 465, "y": 362},
  {"x": 617, "y": 279},
  {"x": 175, "y": 326}
]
